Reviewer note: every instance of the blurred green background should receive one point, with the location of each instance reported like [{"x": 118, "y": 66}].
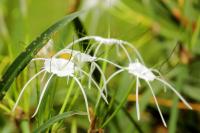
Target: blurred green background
[{"x": 166, "y": 32}]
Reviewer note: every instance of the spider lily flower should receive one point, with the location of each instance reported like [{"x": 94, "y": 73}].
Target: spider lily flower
[
  {"x": 61, "y": 68},
  {"x": 99, "y": 41},
  {"x": 76, "y": 56},
  {"x": 140, "y": 71},
  {"x": 80, "y": 58},
  {"x": 94, "y": 3}
]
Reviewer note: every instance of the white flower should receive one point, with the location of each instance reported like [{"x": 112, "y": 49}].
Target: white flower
[
  {"x": 94, "y": 3},
  {"x": 140, "y": 71},
  {"x": 61, "y": 68},
  {"x": 107, "y": 41},
  {"x": 99, "y": 41},
  {"x": 77, "y": 56},
  {"x": 96, "y": 45},
  {"x": 80, "y": 59}
]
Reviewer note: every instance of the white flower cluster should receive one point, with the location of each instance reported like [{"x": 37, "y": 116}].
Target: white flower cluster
[
  {"x": 62, "y": 67},
  {"x": 103, "y": 3}
]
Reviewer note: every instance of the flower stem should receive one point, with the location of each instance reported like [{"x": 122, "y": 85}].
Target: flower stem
[{"x": 119, "y": 106}]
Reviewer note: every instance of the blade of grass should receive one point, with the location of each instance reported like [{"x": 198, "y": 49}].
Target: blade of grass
[
  {"x": 119, "y": 106},
  {"x": 174, "y": 110},
  {"x": 132, "y": 120},
  {"x": 74, "y": 126},
  {"x": 3, "y": 107},
  {"x": 195, "y": 34},
  {"x": 25, "y": 57},
  {"x": 68, "y": 93},
  {"x": 173, "y": 116},
  {"x": 25, "y": 126},
  {"x": 56, "y": 119}
]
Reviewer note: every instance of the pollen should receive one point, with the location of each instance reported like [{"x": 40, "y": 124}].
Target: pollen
[{"x": 65, "y": 56}]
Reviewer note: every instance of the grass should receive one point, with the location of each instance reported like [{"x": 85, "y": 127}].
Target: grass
[{"x": 166, "y": 33}]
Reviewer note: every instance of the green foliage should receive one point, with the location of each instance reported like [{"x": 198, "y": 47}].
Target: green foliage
[
  {"x": 25, "y": 57},
  {"x": 167, "y": 34}
]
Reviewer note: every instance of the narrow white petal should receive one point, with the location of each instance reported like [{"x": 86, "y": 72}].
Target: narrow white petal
[
  {"x": 95, "y": 83},
  {"x": 177, "y": 93},
  {"x": 97, "y": 49},
  {"x": 163, "y": 120},
  {"x": 24, "y": 88},
  {"x": 36, "y": 59},
  {"x": 126, "y": 52},
  {"x": 134, "y": 49},
  {"x": 91, "y": 48},
  {"x": 112, "y": 76},
  {"x": 84, "y": 95},
  {"x": 103, "y": 77},
  {"x": 42, "y": 95},
  {"x": 43, "y": 76},
  {"x": 116, "y": 65},
  {"x": 137, "y": 99},
  {"x": 92, "y": 67},
  {"x": 156, "y": 71}
]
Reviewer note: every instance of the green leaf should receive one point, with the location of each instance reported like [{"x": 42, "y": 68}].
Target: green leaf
[
  {"x": 173, "y": 120},
  {"x": 25, "y": 57},
  {"x": 56, "y": 119}
]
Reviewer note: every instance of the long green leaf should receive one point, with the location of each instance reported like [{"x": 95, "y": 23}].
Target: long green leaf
[
  {"x": 25, "y": 57},
  {"x": 56, "y": 119},
  {"x": 174, "y": 110}
]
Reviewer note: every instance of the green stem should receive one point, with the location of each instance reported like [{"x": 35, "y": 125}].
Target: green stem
[
  {"x": 118, "y": 107},
  {"x": 101, "y": 82},
  {"x": 67, "y": 97},
  {"x": 74, "y": 126},
  {"x": 174, "y": 111},
  {"x": 73, "y": 99},
  {"x": 69, "y": 91},
  {"x": 24, "y": 125}
]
